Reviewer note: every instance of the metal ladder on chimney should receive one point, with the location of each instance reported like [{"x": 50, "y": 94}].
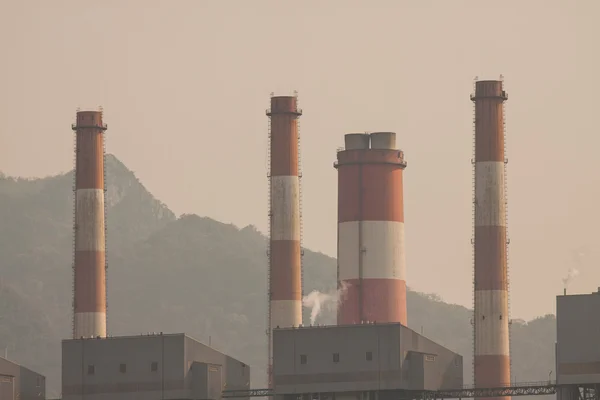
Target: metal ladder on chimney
[
  {"x": 301, "y": 220},
  {"x": 270, "y": 211}
]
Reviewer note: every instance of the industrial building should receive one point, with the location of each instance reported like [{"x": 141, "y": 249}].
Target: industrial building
[
  {"x": 159, "y": 366},
  {"x": 578, "y": 346},
  {"x": 371, "y": 251},
  {"x": 95, "y": 366},
  {"x": 17, "y": 382},
  {"x": 577, "y": 338},
  {"x": 354, "y": 361}
]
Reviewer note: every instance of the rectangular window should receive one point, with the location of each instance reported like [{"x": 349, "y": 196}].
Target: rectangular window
[
  {"x": 91, "y": 369},
  {"x": 429, "y": 357},
  {"x": 154, "y": 366},
  {"x": 302, "y": 358},
  {"x": 336, "y": 357},
  {"x": 123, "y": 368},
  {"x": 369, "y": 356}
]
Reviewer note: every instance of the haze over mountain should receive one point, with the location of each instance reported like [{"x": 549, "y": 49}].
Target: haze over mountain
[
  {"x": 184, "y": 86},
  {"x": 189, "y": 274}
]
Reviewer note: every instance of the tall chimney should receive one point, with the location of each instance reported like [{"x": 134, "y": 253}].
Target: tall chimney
[
  {"x": 371, "y": 258},
  {"x": 491, "y": 317},
  {"x": 89, "y": 297},
  {"x": 285, "y": 270}
]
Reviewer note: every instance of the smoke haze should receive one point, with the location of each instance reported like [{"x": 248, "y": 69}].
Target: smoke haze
[
  {"x": 318, "y": 301},
  {"x": 578, "y": 258},
  {"x": 179, "y": 107},
  {"x": 572, "y": 274}
]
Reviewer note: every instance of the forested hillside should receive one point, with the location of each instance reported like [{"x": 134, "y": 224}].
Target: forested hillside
[{"x": 189, "y": 274}]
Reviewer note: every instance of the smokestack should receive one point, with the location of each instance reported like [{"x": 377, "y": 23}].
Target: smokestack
[
  {"x": 492, "y": 351},
  {"x": 285, "y": 270},
  {"x": 89, "y": 297},
  {"x": 371, "y": 259}
]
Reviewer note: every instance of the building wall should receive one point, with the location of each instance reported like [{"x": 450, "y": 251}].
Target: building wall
[
  {"x": 139, "y": 367},
  {"x": 208, "y": 381},
  {"x": 440, "y": 368},
  {"x": 369, "y": 357},
  {"x": 578, "y": 338},
  {"x": 26, "y": 384},
  {"x": 236, "y": 374},
  {"x": 92, "y": 368},
  {"x": 31, "y": 385}
]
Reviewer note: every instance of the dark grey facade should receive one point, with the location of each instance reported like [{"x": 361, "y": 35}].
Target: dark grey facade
[
  {"x": 17, "y": 382},
  {"x": 150, "y": 367},
  {"x": 361, "y": 358},
  {"x": 578, "y": 338}
]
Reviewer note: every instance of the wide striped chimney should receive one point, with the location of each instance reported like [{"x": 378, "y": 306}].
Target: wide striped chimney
[
  {"x": 491, "y": 319},
  {"x": 89, "y": 297},
  {"x": 285, "y": 274},
  {"x": 371, "y": 258}
]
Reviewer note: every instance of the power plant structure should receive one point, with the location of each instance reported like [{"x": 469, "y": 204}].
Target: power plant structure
[
  {"x": 360, "y": 362},
  {"x": 284, "y": 252},
  {"x": 89, "y": 265},
  {"x": 577, "y": 351},
  {"x": 153, "y": 366},
  {"x": 491, "y": 313},
  {"x": 370, "y": 354},
  {"x": 371, "y": 252},
  {"x": 18, "y": 382}
]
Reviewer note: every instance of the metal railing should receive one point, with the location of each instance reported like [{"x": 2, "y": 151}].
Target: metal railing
[
  {"x": 297, "y": 111},
  {"x": 538, "y": 388},
  {"x": 96, "y": 126}
]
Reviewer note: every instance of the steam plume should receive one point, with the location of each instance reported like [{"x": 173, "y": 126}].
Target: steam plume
[
  {"x": 318, "y": 301},
  {"x": 578, "y": 256},
  {"x": 572, "y": 274}
]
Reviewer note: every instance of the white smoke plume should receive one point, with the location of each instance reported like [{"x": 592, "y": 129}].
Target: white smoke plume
[
  {"x": 318, "y": 301},
  {"x": 578, "y": 257},
  {"x": 572, "y": 274}
]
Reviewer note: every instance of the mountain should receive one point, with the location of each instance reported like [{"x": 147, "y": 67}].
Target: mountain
[{"x": 189, "y": 274}]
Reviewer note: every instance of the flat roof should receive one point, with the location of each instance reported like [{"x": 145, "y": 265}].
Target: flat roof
[
  {"x": 141, "y": 335},
  {"x": 153, "y": 335},
  {"x": 365, "y": 325},
  {"x": 578, "y": 295}
]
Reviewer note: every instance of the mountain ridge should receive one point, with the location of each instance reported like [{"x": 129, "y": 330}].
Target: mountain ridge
[{"x": 189, "y": 274}]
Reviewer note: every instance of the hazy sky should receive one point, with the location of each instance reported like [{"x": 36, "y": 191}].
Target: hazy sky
[{"x": 185, "y": 85}]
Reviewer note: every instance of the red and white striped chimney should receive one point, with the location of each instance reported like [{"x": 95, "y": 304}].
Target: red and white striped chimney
[
  {"x": 491, "y": 319},
  {"x": 285, "y": 273},
  {"x": 371, "y": 257},
  {"x": 89, "y": 297}
]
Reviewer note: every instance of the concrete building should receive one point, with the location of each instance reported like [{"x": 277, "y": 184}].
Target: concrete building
[
  {"x": 17, "y": 382},
  {"x": 578, "y": 339},
  {"x": 353, "y": 360},
  {"x": 160, "y": 366}
]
